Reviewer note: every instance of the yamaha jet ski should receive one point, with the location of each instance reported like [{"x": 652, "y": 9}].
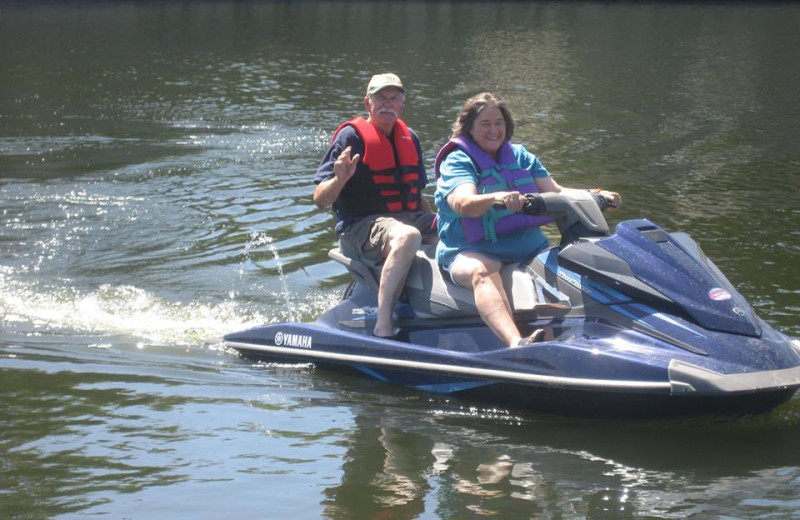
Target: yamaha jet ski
[{"x": 638, "y": 322}]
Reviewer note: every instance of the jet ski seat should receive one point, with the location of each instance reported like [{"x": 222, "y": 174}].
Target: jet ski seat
[
  {"x": 432, "y": 294},
  {"x": 360, "y": 269}
]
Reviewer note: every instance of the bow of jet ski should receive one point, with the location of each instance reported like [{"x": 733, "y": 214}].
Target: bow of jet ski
[{"x": 638, "y": 322}]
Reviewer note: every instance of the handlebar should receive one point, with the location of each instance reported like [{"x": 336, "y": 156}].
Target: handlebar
[
  {"x": 577, "y": 213},
  {"x": 535, "y": 204}
]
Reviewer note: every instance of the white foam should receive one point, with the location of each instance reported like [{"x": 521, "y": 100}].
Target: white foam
[{"x": 130, "y": 311}]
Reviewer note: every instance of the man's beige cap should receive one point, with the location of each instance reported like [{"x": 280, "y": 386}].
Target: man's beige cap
[{"x": 381, "y": 81}]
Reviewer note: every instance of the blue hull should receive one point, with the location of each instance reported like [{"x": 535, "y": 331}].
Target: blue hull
[
  {"x": 636, "y": 323},
  {"x": 586, "y": 366}
]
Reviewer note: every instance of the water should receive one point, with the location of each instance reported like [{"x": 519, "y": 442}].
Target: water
[{"x": 156, "y": 165}]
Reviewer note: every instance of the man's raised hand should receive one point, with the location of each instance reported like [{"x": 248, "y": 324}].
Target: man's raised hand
[{"x": 345, "y": 166}]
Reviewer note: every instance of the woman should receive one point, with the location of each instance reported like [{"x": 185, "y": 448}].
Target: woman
[{"x": 476, "y": 169}]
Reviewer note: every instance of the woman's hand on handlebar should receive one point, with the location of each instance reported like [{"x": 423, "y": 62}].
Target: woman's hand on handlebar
[
  {"x": 510, "y": 200},
  {"x": 613, "y": 198}
]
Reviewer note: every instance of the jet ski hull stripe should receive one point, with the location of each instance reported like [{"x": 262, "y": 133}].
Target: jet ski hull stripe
[{"x": 499, "y": 375}]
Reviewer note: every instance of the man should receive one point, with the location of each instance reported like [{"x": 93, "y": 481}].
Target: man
[{"x": 373, "y": 176}]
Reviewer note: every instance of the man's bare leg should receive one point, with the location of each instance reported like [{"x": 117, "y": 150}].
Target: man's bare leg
[{"x": 401, "y": 247}]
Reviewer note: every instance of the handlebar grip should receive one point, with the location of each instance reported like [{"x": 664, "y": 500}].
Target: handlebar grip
[
  {"x": 535, "y": 205},
  {"x": 601, "y": 201}
]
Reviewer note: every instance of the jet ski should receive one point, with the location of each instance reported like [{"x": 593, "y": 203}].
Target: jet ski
[{"x": 638, "y": 322}]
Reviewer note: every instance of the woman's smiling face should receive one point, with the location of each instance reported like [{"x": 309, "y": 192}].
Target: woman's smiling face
[{"x": 489, "y": 129}]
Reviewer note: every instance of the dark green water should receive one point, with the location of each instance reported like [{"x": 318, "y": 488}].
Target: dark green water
[{"x": 156, "y": 165}]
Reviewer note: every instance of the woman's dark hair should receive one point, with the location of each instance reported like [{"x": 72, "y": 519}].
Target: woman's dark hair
[{"x": 473, "y": 106}]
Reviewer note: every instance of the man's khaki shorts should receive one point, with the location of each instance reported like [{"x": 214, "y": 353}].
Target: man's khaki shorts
[{"x": 367, "y": 237}]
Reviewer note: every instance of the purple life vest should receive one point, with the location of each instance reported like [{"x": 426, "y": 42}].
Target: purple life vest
[{"x": 503, "y": 175}]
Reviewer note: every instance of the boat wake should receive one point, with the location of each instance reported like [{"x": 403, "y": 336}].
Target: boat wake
[{"x": 111, "y": 311}]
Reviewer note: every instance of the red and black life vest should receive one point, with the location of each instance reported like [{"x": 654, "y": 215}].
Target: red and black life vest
[{"x": 387, "y": 178}]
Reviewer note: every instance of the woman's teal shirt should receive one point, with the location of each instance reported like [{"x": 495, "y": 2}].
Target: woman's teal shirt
[{"x": 456, "y": 169}]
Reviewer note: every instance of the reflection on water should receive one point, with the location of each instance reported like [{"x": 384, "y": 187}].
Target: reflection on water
[
  {"x": 156, "y": 165},
  {"x": 115, "y": 430},
  {"x": 396, "y": 464}
]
